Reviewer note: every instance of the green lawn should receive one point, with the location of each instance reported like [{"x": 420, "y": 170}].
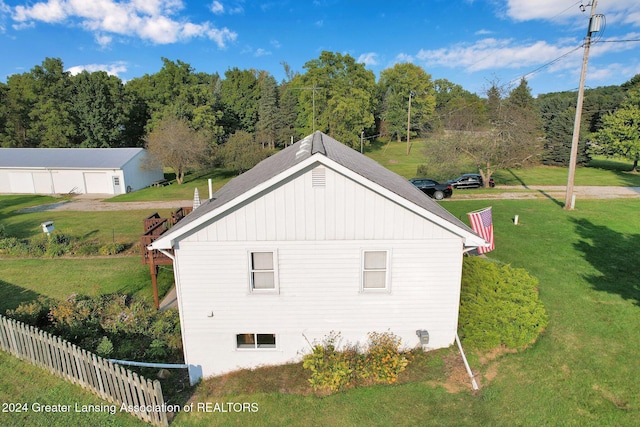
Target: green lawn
[
  {"x": 33, "y": 388},
  {"x": 23, "y": 279},
  {"x": 184, "y": 191},
  {"x": 601, "y": 171},
  {"x": 582, "y": 371}
]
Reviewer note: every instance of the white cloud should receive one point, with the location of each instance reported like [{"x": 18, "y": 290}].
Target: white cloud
[
  {"x": 491, "y": 53},
  {"x": 403, "y": 57},
  {"x": 370, "y": 58},
  {"x": 152, "y": 20},
  {"x": 4, "y": 12},
  {"x": 217, "y": 8},
  {"x": 261, "y": 52},
  {"x": 103, "y": 40},
  {"x": 111, "y": 69},
  {"x": 526, "y": 10}
]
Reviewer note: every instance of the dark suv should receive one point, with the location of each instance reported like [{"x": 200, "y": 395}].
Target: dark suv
[
  {"x": 432, "y": 188},
  {"x": 470, "y": 180}
]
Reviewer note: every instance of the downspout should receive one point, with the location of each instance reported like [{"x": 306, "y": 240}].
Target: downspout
[
  {"x": 149, "y": 365},
  {"x": 466, "y": 364}
]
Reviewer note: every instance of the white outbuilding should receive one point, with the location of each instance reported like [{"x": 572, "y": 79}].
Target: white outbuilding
[
  {"x": 76, "y": 170},
  {"x": 316, "y": 238}
]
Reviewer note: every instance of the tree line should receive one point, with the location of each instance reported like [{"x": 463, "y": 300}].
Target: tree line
[{"x": 245, "y": 114}]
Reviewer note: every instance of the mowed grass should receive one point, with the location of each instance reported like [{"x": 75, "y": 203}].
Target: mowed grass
[
  {"x": 23, "y": 279},
  {"x": 581, "y": 372},
  {"x": 600, "y": 171},
  {"x": 184, "y": 191},
  {"x": 33, "y": 388}
]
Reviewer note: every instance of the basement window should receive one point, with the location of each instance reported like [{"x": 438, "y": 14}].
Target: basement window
[{"x": 255, "y": 341}]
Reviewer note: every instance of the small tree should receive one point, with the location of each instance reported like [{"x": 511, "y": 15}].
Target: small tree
[
  {"x": 174, "y": 144},
  {"x": 241, "y": 152},
  {"x": 511, "y": 140}
]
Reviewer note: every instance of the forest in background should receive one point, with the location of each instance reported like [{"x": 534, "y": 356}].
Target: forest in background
[{"x": 248, "y": 111}]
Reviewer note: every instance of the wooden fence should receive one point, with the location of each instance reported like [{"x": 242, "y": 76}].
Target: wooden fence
[{"x": 110, "y": 381}]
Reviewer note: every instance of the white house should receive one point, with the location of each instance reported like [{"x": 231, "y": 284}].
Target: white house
[
  {"x": 314, "y": 239},
  {"x": 75, "y": 170}
]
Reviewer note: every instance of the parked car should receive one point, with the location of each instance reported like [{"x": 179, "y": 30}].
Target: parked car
[
  {"x": 433, "y": 188},
  {"x": 470, "y": 180}
]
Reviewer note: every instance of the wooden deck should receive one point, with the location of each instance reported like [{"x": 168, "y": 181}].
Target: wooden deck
[{"x": 154, "y": 227}]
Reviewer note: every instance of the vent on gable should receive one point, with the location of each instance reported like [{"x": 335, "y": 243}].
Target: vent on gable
[{"x": 318, "y": 177}]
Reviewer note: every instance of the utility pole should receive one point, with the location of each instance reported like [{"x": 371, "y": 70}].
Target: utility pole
[
  {"x": 409, "y": 124},
  {"x": 593, "y": 27}
]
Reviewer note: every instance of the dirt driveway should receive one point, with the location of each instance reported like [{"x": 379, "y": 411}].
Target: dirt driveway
[
  {"x": 548, "y": 191},
  {"x": 96, "y": 203}
]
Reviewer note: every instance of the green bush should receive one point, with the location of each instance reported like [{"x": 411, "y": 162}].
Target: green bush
[
  {"x": 32, "y": 312},
  {"x": 333, "y": 369},
  {"x": 113, "y": 324},
  {"x": 111, "y": 249},
  {"x": 105, "y": 347},
  {"x": 87, "y": 249},
  {"x": 384, "y": 361},
  {"x": 499, "y": 306},
  {"x": 330, "y": 368},
  {"x": 14, "y": 246}
]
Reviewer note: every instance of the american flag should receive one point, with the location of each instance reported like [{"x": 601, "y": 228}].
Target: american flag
[{"x": 483, "y": 225}]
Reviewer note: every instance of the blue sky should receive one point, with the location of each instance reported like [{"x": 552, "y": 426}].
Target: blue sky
[{"x": 469, "y": 42}]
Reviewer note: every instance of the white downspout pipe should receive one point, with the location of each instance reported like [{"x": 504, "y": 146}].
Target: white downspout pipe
[{"x": 466, "y": 364}]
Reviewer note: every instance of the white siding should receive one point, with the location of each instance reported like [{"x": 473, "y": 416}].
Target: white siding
[
  {"x": 319, "y": 234},
  {"x": 319, "y": 292},
  {"x": 342, "y": 210}
]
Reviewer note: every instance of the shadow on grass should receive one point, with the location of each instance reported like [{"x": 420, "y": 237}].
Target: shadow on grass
[
  {"x": 11, "y": 296},
  {"x": 614, "y": 255}
]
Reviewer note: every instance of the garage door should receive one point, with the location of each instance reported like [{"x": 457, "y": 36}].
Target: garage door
[{"x": 98, "y": 183}]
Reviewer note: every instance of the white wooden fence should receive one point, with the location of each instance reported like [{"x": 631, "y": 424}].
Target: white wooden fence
[{"x": 109, "y": 381}]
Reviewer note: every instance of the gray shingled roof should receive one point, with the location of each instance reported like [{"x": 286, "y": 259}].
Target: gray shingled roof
[
  {"x": 320, "y": 143},
  {"x": 66, "y": 158}
]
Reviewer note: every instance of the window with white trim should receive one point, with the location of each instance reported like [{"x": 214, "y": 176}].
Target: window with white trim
[
  {"x": 262, "y": 266},
  {"x": 375, "y": 270},
  {"x": 255, "y": 341}
]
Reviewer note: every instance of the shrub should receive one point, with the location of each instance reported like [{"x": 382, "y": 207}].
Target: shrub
[
  {"x": 329, "y": 368},
  {"x": 105, "y": 347},
  {"x": 14, "y": 246},
  {"x": 334, "y": 369},
  {"x": 499, "y": 306},
  {"x": 87, "y": 248},
  {"x": 32, "y": 312},
  {"x": 384, "y": 360},
  {"x": 111, "y": 249}
]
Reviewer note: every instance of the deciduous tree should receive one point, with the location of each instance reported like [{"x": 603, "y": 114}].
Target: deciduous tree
[
  {"x": 620, "y": 132},
  {"x": 398, "y": 84},
  {"x": 241, "y": 152},
  {"x": 174, "y": 144}
]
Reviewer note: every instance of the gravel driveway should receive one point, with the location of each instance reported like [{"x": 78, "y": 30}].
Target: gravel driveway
[{"x": 96, "y": 203}]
